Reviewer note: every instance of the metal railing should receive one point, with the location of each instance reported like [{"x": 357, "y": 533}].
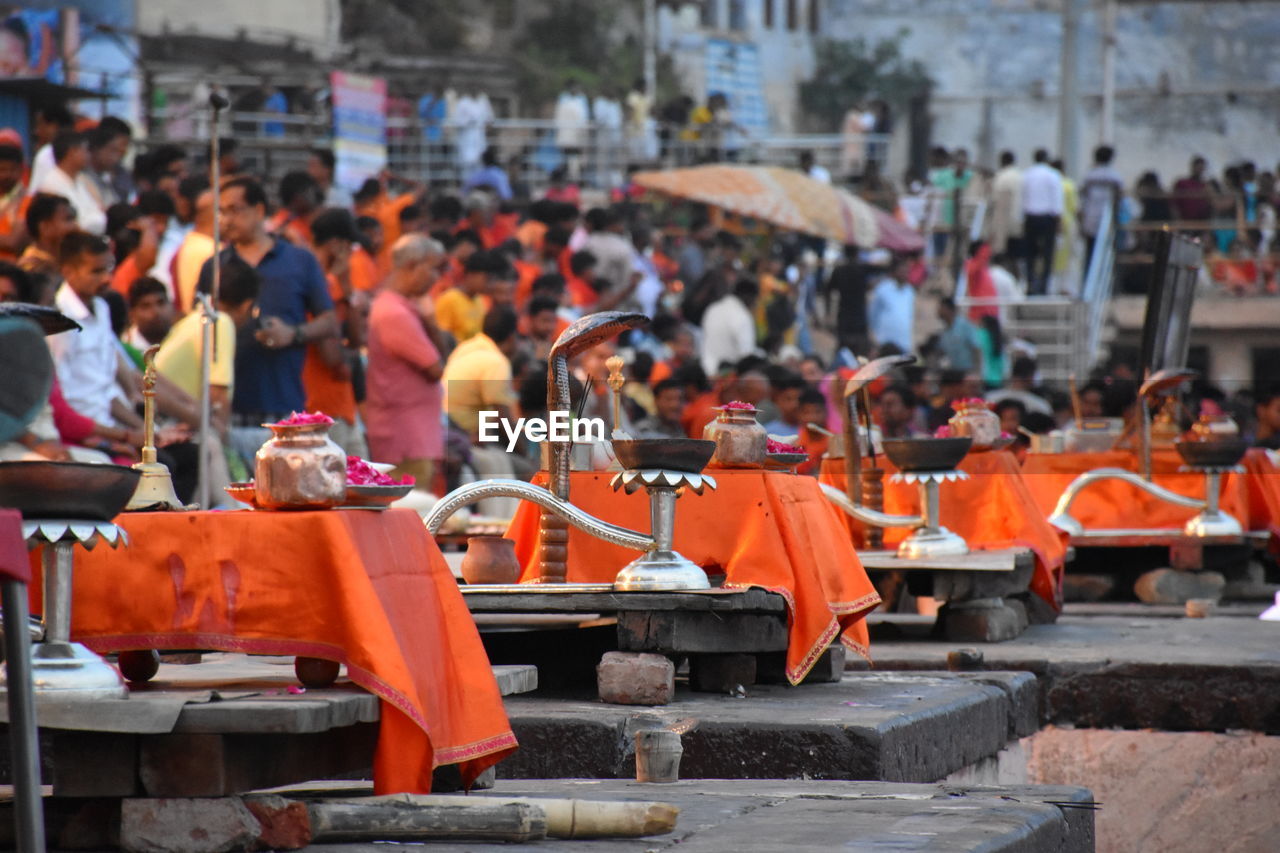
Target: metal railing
[{"x": 595, "y": 156}]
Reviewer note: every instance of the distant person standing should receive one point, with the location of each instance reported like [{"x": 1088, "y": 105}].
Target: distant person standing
[
  {"x": 573, "y": 113},
  {"x": 1005, "y": 234},
  {"x": 891, "y": 315},
  {"x": 1042, "y": 199},
  {"x": 1193, "y": 195},
  {"x": 1101, "y": 188},
  {"x": 69, "y": 178},
  {"x": 471, "y": 117},
  {"x": 848, "y": 282}
]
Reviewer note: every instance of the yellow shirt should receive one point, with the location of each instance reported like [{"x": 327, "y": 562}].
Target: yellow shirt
[
  {"x": 179, "y": 356},
  {"x": 460, "y": 315},
  {"x": 477, "y": 377}
]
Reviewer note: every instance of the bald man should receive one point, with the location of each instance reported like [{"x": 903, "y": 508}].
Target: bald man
[{"x": 403, "y": 406}]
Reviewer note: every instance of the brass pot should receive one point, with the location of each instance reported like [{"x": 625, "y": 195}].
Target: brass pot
[
  {"x": 976, "y": 421},
  {"x": 741, "y": 441},
  {"x": 300, "y": 467},
  {"x": 490, "y": 559}
]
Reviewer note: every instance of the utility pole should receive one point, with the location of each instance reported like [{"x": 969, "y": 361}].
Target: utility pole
[
  {"x": 651, "y": 50},
  {"x": 1107, "y": 133},
  {"x": 1069, "y": 88}
]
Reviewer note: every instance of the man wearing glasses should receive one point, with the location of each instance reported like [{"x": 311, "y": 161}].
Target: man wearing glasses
[{"x": 294, "y": 309}]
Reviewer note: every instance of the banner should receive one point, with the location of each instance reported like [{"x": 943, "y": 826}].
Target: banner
[{"x": 359, "y": 127}]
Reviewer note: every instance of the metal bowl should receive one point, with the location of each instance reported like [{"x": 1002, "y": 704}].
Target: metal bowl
[
  {"x": 374, "y": 497},
  {"x": 1216, "y": 453},
  {"x": 926, "y": 454},
  {"x": 690, "y": 455},
  {"x": 66, "y": 489},
  {"x": 783, "y": 461}
]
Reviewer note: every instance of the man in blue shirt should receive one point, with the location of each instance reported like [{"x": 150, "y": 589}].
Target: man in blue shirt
[
  {"x": 489, "y": 176},
  {"x": 294, "y": 309},
  {"x": 958, "y": 341},
  {"x": 891, "y": 316}
]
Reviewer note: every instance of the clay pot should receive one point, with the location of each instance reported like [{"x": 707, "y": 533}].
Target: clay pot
[
  {"x": 138, "y": 665},
  {"x": 300, "y": 467},
  {"x": 490, "y": 559},
  {"x": 741, "y": 441},
  {"x": 316, "y": 673}
]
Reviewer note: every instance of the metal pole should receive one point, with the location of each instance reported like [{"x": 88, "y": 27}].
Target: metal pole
[
  {"x": 56, "y": 566},
  {"x": 651, "y": 50},
  {"x": 23, "y": 745},
  {"x": 209, "y": 316},
  {"x": 1069, "y": 89},
  {"x": 1107, "y": 132}
]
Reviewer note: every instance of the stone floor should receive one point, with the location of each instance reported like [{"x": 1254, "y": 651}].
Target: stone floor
[{"x": 771, "y": 816}]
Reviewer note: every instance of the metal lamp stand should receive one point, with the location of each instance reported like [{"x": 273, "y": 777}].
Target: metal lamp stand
[{"x": 660, "y": 568}]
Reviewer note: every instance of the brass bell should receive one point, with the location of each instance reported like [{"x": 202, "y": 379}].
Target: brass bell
[{"x": 155, "y": 487}]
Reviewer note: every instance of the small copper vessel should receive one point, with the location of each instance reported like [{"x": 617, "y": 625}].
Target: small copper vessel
[
  {"x": 300, "y": 467},
  {"x": 741, "y": 441}
]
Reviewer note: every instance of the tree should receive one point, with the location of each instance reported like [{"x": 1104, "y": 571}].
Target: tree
[{"x": 849, "y": 72}]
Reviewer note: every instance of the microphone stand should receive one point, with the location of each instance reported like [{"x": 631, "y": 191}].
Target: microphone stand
[{"x": 209, "y": 314}]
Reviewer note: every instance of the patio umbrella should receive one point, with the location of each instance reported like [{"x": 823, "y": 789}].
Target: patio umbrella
[
  {"x": 897, "y": 236},
  {"x": 783, "y": 197}
]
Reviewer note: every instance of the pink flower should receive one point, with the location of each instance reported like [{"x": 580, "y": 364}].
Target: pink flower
[
  {"x": 772, "y": 446},
  {"x": 361, "y": 473},
  {"x": 944, "y": 431},
  {"x": 296, "y": 690},
  {"x": 969, "y": 403},
  {"x": 302, "y": 418},
  {"x": 738, "y": 404}
]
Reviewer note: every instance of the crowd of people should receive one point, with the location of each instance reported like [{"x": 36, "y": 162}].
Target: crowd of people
[{"x": 405, "y": 312}]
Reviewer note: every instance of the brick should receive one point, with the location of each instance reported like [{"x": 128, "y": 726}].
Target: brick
[
  {"x": 631, "y": 678},
  {"x": 1167, "y": 586},
  {"x": 829, "y": 668},
  {"x": 285, "y": 824},
  {"x": 218, "y": 825},
  {"x": 984, "y": 622},
  {"x": 721, "y": 673}
]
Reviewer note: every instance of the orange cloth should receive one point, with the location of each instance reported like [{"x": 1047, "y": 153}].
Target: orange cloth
[
  {"x": 526, "y": 273},
  {"x": 769, "y": 530},
  {"x": 13, "y": 215},
  {"x": 367, "y": 589},
  {"x": 992, "y": 510},
  {"x": 699, "y": 412},
  {"x": 447, "y": 279},
  {"x": 1253, "y": 498},
  {"x": 530, "y": 234},
  {"x": 291, "y": 228}
]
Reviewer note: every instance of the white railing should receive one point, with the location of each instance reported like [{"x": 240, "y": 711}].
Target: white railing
[{"x": 273, "y": 143}]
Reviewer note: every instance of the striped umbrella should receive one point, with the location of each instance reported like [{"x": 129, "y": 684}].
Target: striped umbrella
[{"x": 782, "y": 197}]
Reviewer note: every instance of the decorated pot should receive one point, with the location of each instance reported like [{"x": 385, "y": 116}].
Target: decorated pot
[
  {"x": 300, "y": 467},
  {"x": 975, "y": 420},
  {"x": 490, "y": 559},
  {"x": 741, "y": 441}
]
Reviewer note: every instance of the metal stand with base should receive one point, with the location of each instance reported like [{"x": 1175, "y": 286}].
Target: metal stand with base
[
  {"x": 61, "y": 669},
  {"x": 660, "y": 568},
  {"x": 928, "y": 538}
]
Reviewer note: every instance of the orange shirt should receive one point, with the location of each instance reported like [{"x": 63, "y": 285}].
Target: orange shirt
[
  {"x": 698, "y": 413},
  {"x": 327, "y": 391},
  {"x": 530, "y": 234},
  {"x": 503, "y": 228},
  {"x": 288, "y": 226},
  {"x": 524, "y": 284},
  {"x": 125, "y": 274},
  {"x": 12, "y": 215},
  {"x": 662, "y": 370},
  {"x": 364, "y": 270},
  {"x": 814, "y": 444}
]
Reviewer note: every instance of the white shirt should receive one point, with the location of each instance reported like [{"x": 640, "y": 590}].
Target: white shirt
[
  {"x": 90, "y": 215},
  {"x": 42, "y": 165},
  {"x": 891, "y": 316},
  {"x": 170, "y": 241},
  {"x": 1042, "y": 191},
  {"x": 729, "y": 332},
  {"x": 1006, "y": 206},
  {"x": 87, "y": 360}
]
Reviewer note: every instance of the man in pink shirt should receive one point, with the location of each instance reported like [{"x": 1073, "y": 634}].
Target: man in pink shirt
[{"x": 403, "y": 405}]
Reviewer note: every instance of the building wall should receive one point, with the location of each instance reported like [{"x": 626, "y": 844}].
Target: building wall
[
  {"x": 313, "y": 23},
  {"x": 1191, "y": 77}
]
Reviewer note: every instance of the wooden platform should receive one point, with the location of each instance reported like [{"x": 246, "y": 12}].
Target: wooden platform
[{"x": 224, "y": 726}]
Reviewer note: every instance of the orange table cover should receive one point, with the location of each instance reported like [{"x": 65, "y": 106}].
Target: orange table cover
[
  {"x": 368, "y": 589},
  {"x": 770, "y": 530},
  {"x": 993, "y": 509},
  {"x": 1253, "y": 498}
]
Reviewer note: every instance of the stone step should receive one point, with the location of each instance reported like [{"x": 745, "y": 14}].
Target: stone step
[{"x": 906, "y": 727}]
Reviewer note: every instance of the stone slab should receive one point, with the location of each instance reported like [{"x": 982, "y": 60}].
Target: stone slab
[
  {"x": 1134, "y": 671},
  {"x": 718, "y": 815},
  {"x": 871, "y": 725},
  {"x": 597, "y": 598}
]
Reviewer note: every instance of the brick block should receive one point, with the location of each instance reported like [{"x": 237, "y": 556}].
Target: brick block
[
  {"x": 218, "y": 825},
  {"x": 984, "y": 622},
  {"x": 631, "y": 678},
  {"x": 285, "y": 824},
  {"x": 1167, "y": 586}
]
